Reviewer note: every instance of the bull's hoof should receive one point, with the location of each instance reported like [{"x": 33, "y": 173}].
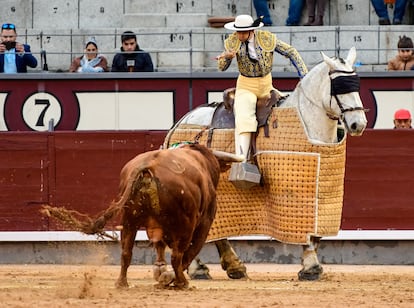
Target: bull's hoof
[
  {"x": 121, "y": 284},
  {"x": 166, "y": 278},
  {"x": 311, "y": 274},
  {"x": 198, "y": 270},
  {"x": 158, "y": 269},
  {"x": 181, "y": 285}
]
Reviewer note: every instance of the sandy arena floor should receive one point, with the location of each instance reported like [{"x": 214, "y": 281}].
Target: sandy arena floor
[{"x": 269, "y": 285}]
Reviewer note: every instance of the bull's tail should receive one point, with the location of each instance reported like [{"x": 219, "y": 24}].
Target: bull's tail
[
  {"x": 140, "y": 176},
  {"x": 76, "y": 221}
]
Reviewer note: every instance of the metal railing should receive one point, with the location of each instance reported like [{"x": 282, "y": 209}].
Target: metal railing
[{"x": 194, "y": 50}]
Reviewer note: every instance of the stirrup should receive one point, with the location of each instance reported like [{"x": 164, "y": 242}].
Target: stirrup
[{"x": 244, "y": 175}]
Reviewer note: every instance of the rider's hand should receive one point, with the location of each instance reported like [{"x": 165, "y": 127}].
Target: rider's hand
[{"x": 227, "y": 55}]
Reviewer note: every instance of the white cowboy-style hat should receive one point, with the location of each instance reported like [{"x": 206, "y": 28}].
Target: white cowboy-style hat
[{"x": 244, "y": 23}]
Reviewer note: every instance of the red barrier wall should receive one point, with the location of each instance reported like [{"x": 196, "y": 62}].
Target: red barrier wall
[{"x": 80, "y": 170}]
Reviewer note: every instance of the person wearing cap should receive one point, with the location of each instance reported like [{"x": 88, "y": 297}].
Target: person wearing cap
[
  {"x": 254, "y": 51},
  {"x": 131, "y": 58},
  {"x": 91, "y": 61},
  {"x": 402, "y": 119},
  {"x": 15, "y": 57}
]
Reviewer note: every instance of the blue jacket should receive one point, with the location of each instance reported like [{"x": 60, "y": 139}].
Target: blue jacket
[{"x": 21, "y": 62}]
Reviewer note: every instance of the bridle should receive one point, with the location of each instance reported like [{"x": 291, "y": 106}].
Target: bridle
[
  {"x": 340, "y": 85},
  {"x": 343, "y": 85}
]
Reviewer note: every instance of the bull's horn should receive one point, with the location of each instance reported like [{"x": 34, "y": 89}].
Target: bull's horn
[{"x": 226, "y": 156}]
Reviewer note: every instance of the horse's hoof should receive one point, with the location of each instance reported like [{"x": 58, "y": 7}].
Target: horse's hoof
[
  {"x": 311, "y": 274},
  {"x": 198, "y": 270},
  {"x": 237, "y": 273},
  {"x": 201, "y": 276},
  {"x": 234, "y": 268}
]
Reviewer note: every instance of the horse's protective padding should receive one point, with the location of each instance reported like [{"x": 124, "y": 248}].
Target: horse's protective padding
[{"x": 302, "y": 192}]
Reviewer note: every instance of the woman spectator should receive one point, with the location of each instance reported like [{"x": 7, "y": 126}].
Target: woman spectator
[{"x": 91, "y": 61}]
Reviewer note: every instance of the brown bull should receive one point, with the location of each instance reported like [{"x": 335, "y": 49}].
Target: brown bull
[{"x": 172, "y": 194}]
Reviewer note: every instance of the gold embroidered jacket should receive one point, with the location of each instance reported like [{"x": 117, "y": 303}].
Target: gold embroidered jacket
[{"x": 265, "y": 44}]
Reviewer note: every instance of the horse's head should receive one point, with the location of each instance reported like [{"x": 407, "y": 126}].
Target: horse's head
[{"x": 345, "y": 103}]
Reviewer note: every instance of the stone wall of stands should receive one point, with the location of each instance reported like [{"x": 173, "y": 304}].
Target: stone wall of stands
[{"x": 178, "y": 36}]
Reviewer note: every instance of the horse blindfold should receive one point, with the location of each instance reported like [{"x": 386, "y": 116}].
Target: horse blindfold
[{"x": 345, "y": 84}]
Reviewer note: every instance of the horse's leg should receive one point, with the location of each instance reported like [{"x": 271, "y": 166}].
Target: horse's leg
[
  {"x": 311, "y": 269},
  {"x": 229, "y": 260},
  {"x": 160, "y": 265}
]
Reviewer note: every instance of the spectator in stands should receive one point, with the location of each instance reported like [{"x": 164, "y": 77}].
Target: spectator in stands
[
  {"x": 262, "y": 9},
  {"x": 382, "y": 11},
  {"x": 402, "y": 119},
  {"x": 91, "y": 61},
  {"x": 254, "y": 50},
  {"x": 405, "y": 59},
  {"x": 295, "y": 12},
  {"x": 316, "y": 11},
  {"x": 131, "y": 58},
  {"x": 15, "y": 57}
]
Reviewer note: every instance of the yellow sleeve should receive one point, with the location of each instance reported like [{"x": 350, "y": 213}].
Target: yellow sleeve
[
  {"x": 232, "y": 43},
  {"x": 293, "y": 55}
]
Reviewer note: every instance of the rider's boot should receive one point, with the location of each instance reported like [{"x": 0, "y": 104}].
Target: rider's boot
[
  {"x": 243, "y": 145},
  {"x": 244, "y": 175}
]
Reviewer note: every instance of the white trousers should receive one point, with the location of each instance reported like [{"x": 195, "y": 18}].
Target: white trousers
[{"x": 248, "y": 90}]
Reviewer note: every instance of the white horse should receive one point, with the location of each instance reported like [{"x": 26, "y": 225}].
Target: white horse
[
  {"x": 326, "y": 97},
  {"x": 328, "y": 93}
]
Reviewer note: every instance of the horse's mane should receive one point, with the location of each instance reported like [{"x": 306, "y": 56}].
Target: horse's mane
[{"x": 318, "y": 70}]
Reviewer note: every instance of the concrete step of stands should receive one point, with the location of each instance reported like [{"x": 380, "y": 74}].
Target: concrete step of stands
[
  {"x": 85, "y": 14},
  {"x": 176, "y": 31},
  {"x": 174, "y": 48}
]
